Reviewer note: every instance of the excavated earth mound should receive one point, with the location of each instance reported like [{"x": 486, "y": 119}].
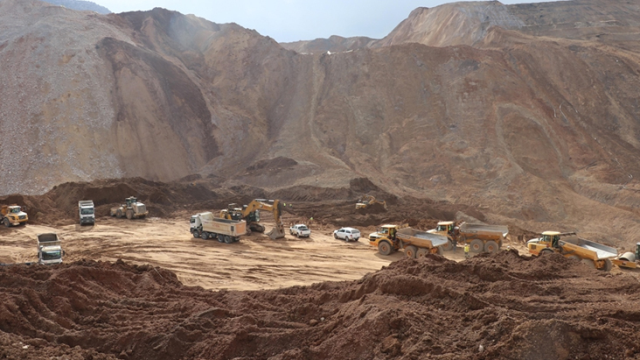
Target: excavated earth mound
[{"x": 500, "y": 306}]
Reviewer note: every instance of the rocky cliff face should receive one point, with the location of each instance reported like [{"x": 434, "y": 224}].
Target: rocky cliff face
[{"x": 536, "y": 122}]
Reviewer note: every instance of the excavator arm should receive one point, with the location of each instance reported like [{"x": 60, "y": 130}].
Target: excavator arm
[{"x": 275, "y": 208}]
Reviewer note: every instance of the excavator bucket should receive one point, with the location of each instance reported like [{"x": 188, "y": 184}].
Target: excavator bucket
[{"x": 276, "y": 233}]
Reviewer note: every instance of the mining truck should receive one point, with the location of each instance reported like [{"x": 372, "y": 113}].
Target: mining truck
[
  {"x": 49, "y": 249},
  {"x": 206, "y": 226},
  {"x": 12, "y": 215},
  {"x": 86, "y": 211},
  {"x": 416, "y": 243},
  {"x": 480, "y": 237},
  {"x": 592, "y": 254},
  {"x": 132, "y": 209}
]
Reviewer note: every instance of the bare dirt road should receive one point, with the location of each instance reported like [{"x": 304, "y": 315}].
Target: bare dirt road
[{"x": 256, "y": 262}]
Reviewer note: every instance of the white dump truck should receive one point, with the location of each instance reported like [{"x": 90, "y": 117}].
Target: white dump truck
[
  {"x": 49, "y": 249},
  {"x": 207, "y": 226},
  {"x": 86, "y": 211}
]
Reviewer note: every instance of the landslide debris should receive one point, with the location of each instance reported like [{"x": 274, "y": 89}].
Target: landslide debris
[{"x": 514, "y": 307}]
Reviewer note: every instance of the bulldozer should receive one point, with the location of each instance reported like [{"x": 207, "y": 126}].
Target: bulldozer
[
  {"x": 369, "y": 200},
  {"x": 251, "y": 214},
  {"x": 132, "y": 209}
]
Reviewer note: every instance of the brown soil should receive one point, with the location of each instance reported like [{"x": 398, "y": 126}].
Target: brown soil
[{"x": 513, "y": 307}]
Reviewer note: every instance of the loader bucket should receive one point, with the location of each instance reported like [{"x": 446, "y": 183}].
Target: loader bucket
[{"x": 276, "y": 233}]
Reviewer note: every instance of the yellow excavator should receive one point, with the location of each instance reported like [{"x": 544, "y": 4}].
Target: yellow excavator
[
  {"x": 251, "y": 214},
  {"x": 368, "y": 200}
]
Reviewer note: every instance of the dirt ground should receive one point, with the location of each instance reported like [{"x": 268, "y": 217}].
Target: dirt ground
[
  {"x": 502, "y": 306},
  {"x": 255, "y": 263}
]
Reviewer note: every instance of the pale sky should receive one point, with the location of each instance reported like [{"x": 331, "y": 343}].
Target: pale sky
[{"x": 292, "y": 20}]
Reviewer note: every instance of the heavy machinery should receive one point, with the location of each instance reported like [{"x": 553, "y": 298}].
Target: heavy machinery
[
  {"x": 416, "y": 244},
  {"x": 49, "y": 249},
  {"x": 592, "y": 254},
  {"x": 480, "y": 237},
  {"x": 369, "y": 200},
  {"x": 86, "y": 212},
  {"x": 629, "y": 259},
  {"x": 206, "y": 226},
  {"x": 13, "y": 215},
  {"x": 251, "y": 214},
  {"x": 132, "y": 209}
]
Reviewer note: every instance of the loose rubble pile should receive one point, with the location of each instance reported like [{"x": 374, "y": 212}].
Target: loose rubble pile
[{"x": 489, "y": 307}]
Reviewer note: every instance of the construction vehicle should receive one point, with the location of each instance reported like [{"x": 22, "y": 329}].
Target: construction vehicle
[
  {"x": 207, "y": 226},
  {"x": 480, "y": 237},
  {"x": 416, "y": 243},
  {"x": 49, "y": 249},
  {"x": 12, "y": 215},
  {"x": 132, "y": 209},
  {"x": 369, "y": 200},
  {"x": 86, "y": 211},
  {"x": 251, "y": 214},
  {"x": 592, "y": 254},
  {"x": 629, "y": 259}
]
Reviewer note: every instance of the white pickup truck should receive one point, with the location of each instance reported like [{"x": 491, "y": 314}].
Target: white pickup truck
[{"x": 300, "y": 230}]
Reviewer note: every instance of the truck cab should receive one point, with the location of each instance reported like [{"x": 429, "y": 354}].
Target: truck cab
[{"x": 549, "y": 241}]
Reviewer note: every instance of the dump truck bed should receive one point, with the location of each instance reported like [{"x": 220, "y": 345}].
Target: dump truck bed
[
  {"x": 421, "y": 238},
  {"x": 484, "y": 229},
  {"x": 601, "y": 251},
  {"x": 222, "y": 226},
  {"x": 48, "y": 239}
]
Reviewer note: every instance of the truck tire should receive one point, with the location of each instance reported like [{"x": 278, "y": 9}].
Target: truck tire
[
  {"x": 491, "y": 247},
  {"x": 129, "y": 214},
  {"x": 228, "y": 239},
  {"x": 448, "y": 246},
  {"x": 422, "y": 252},
  {"x": 6, "y": 222},
  {"x": 608, "y": 265},
  {"x": 335, "y": 236},
  {"x": 547, "y": 252},
  {"x": 476, "y": 246},
  {"x": 411, "y": 251},
  {"x": 385, "y": 248},
  {"x": 195, "y": 234},
  {"x": 204, "y": 235},
  {"x": 119, "y": 214}
]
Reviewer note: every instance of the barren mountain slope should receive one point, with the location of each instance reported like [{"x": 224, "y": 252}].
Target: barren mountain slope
[
  {"x": 538, "y": 131},
  {"x": 333, "y": 43}
]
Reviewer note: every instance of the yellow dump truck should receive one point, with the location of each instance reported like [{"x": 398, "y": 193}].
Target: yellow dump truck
[
  {"x": 592, "y": 254},
  {"x": 416, "y": 243},
  {"x": 480, "y": 237},
  {"x": 12, "y": 215}
]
